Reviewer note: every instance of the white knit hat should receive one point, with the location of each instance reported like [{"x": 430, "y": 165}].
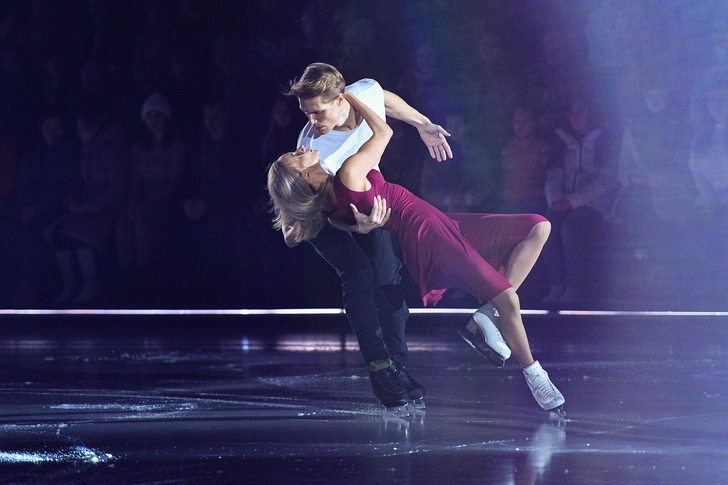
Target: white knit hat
[{"x": 156, "y": 101}]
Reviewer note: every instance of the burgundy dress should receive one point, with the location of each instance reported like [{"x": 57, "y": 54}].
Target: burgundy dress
[{"x": 466, "y": 251}]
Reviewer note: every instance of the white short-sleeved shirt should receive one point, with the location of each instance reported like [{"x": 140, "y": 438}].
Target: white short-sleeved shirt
[{"x": 336, "y": 146}]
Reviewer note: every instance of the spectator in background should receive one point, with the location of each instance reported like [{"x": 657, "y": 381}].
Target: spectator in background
[
  {"x": 111, "y": 44},
  {"x": 656, "y": 195},
  {"x": 8, "y": 180},
  {"x": 524, "y": 161},
  {"x": 580, "y": 187},
  {"x": 145, "y": 231},
  {"x": 465, "y": 183},
  {"x": 61, "y": 87},
  {"x": 282, "y": 130},
  {"x": 214, "y": 209},
  {"x": 653, "y": 163},
  {"x": 106, "y": 91},
  {"x": 562, "y": 73},
  {"x": 48, "y": 172},
  {"x": 152, "y": 45},
  {"x": 19, "y": 95},
  {"x": 82, "y": 234},
  {"x": 498, "y": 86},
  {"x": 709, "y": 154},
  {"x": 185, "y": 85},
  {"x": 272, "y": 259},
  {"x": 709, "y": 166}
]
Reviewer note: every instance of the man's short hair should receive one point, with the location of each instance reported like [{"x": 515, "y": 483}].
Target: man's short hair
[{"x": 318, "y": 79}]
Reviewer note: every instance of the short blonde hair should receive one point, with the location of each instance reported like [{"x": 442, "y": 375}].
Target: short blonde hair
[
  {"x": 318, "y": 79},
  {"x": 295, "y": 202}
]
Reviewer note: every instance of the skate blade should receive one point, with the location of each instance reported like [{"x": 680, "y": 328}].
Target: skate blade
[
  {"x": 417, "y": 404},
  {"x": 397, "y": 411},
  {"x": 558, "y": 412},
  {"x": 487, "y": 353}
]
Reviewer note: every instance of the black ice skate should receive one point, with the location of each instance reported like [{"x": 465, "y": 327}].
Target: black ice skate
[
  {"x": 387, "y": 388},
  {"x": 488, "y": 353},
  {"x": 415, "y": 391}
]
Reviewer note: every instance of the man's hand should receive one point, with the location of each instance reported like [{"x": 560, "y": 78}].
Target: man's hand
[
  {"x": 434, "y": 137},
  {"x": 367, "y": 223}
]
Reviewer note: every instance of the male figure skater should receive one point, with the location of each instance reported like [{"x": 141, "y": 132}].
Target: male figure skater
[{"x": 366, "y": 264}]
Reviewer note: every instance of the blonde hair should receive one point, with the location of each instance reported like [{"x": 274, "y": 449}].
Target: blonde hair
[
  {"x": 318, "y": 79},
  {"x": 295, "y": 202}
]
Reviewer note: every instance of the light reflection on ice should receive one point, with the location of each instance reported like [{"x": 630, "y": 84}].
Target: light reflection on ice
[
  {"x": 346, "y": 342},
  {"x": 316, "y": 343},
  {"x": 74, "y": 454}
]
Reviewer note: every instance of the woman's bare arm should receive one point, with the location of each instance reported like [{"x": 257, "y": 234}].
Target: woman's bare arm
[{"x": 354, "y": 170}]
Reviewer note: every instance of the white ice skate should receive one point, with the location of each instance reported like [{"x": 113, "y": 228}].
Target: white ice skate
[
  {"x": 495, "y": 348},
  {"x": 543, "y": 390}
]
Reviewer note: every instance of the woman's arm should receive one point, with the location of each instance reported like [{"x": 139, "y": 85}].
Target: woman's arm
[{"x": 354, "y": 170}]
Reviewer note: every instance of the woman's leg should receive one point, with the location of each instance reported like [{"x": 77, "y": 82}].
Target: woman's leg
[
  {"x": 511, "y": 325},
  {"x": 526, "y": 253}
]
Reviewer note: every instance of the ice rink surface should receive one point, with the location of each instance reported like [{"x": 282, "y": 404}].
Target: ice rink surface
[{"x": 286, "y": 400}]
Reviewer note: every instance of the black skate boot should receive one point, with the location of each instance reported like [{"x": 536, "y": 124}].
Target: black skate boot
[
  {"x": 388, "y": 390},
  {"x": 415, "y": 390}
]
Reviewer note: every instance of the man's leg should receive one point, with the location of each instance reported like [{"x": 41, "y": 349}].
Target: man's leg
[
  {"x": 393, "y": 311},
  {"x": 359, "y": 288}
]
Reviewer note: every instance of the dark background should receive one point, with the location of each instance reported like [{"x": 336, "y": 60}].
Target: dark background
[{"x": 463, "y": 63}]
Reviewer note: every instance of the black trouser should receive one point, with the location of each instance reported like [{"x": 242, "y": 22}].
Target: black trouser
[{"x": 373, "y": 298}]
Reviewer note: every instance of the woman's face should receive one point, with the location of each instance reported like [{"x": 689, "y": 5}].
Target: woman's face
[{"x": 301, "y": 159}]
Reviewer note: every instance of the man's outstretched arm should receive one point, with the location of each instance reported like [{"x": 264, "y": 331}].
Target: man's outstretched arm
[{"x": 433, "y": 135}]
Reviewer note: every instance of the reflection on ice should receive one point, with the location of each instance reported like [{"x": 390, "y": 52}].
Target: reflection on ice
[
  {"x": 548, "y": 439},
  {"x": 79, "y": 454},
  {"x": 316, "y": 343},
  {"x": 399, "y": 427}
]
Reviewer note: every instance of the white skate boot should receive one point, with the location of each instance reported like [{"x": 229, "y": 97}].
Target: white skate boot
[
  {"x": 495, "y": 348},
  {"x": 543, "y": 390}
]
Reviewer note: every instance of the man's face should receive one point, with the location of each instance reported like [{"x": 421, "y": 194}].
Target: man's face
[{"x": 323, "y": 116}]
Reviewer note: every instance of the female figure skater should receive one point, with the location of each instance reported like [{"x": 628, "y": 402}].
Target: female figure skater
[{"x": 440, "y": 251}]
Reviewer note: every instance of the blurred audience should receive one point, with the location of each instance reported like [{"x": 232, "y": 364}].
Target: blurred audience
[
  {"x": 213, "y": 196},
  {"x": 48, "y": 172},
  {"x": 580, "y": 189},
  {"x": 524, "y": 162},
  {"x": 8, "y": 180},
  {"x": 147, "y": 227},
  {"x": 82, "y": 234},
  {"x": 709, "y": 166},
  {"x": 472, "y": 66}
]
